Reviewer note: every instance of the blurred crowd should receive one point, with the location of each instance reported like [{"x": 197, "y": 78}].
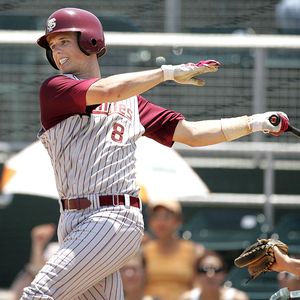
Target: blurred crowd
[{"x": 167, "y": 267}]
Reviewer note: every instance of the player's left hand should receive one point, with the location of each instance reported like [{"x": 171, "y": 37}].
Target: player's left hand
[
  {"x": 187, "y": 73},
  {"x": 263, "y": 122}
]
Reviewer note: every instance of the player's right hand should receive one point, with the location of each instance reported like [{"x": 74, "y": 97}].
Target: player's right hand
[
  {"x": 263, "y": 122},
  {"x": 187, "y": 73}
]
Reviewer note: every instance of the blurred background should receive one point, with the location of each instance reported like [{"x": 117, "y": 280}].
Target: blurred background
[{"x": 253, "y": 183}]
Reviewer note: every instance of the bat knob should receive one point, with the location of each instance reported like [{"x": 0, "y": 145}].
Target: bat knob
[{"x": 274, "y": 120}]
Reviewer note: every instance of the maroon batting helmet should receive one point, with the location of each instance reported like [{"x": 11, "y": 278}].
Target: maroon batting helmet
[{"x": 89, "y": 28}]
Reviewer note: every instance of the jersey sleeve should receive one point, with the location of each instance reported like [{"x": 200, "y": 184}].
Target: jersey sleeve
[
  {"x": 159, "y": 122},
  {"x": 62, "y": 97}
]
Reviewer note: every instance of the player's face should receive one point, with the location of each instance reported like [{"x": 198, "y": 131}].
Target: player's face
[{"x": 66, "y": 52}]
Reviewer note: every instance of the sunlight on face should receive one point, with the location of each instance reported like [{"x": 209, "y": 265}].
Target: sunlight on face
[{"x": 66, "y": 52}]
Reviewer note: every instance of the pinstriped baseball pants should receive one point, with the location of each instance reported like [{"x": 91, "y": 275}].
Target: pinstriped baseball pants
[{"x": 94, "y": 245}]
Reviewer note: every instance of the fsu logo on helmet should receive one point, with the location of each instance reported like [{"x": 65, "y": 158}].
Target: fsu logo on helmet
[{"x": 51, "y": 24}]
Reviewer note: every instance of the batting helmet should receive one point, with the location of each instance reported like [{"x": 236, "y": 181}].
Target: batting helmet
[{"x": 89, "y": 28}]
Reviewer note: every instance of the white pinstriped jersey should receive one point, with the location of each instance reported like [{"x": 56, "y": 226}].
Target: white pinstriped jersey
[
  {"x": 93, "y": 153},
  {"x": 104, "y": 165}
]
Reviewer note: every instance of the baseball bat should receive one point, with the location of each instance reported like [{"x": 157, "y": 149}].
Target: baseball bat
[{"x": 275, "y": 120}]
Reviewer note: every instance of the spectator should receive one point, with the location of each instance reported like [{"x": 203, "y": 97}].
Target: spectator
[
  {"x": 41, "y": 250},
  {"x": 209, "y": 283},
  {"x": 170, "y": 260},
  {"x": 289, "y": 280},
  {"x": 133, "y": 278}
]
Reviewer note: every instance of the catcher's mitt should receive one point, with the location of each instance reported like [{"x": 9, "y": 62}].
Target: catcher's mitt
[{"x": 259, "y": 257}]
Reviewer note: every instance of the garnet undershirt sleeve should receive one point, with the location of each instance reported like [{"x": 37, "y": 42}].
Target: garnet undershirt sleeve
[
  {"x": 159, "y": 122},
  {"x": 62, "y": 97}
]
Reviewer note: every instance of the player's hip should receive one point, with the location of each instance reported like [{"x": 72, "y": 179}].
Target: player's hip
[{"x": 103, "y": 220}]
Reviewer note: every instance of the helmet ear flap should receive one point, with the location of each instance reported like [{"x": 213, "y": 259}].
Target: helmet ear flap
[
  {"x": 50, "y": 58},
  {"x": 85, "y": 45},
  {"x": 79, "y": 44}
]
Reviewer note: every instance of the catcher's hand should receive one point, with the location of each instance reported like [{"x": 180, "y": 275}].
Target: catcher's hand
[
  {"x": 259, "y": 257},
  {"x": 187, "y": 73}
]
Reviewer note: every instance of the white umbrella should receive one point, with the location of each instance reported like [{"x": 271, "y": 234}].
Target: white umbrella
[
  {"x": 29, "y": 172},
  {"x": 161, "y": 173}
]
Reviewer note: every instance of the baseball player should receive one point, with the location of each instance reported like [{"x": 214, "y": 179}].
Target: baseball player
[{"x": 89, "y": 128}]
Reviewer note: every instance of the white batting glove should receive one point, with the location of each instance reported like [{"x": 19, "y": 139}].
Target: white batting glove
[
  {"x": 187, "y": 73},
  {"x": 273, "y": 122}
]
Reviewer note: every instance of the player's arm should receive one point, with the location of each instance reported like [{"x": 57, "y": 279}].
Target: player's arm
[
  {"x": 203, "y": 133},
  {"x": 122, "y": 86},
  {"x": 286, "y": 263}
]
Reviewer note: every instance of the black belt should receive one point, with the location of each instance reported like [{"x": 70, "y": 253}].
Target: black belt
[{"x": 83, "y": 203}]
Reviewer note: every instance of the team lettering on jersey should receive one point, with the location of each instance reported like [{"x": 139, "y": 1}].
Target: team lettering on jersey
[{"x": 114, "y": 108}]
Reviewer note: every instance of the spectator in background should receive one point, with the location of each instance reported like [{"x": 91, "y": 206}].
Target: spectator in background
[
  {"x": 288, "y": 16},
  {"x": 41, "y": 250},
  {"x": 289, "y": 280},
  {"x": 170, "y": 260},
  {"x": 133, "y": 278},
  {"x": 209, "y": 282}
]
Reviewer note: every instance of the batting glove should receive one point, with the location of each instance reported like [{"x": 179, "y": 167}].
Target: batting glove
[
  {"x": 273, "y": 122},
  {"x": 186, "y": 73}
]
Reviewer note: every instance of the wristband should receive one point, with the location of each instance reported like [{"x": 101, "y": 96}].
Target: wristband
[
  {"x": 234, "y": 128},
  {"x": 168, "y": 71}
]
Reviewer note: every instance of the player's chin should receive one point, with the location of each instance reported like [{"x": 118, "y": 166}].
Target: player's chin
[
  {"x": 61, "y": 68},
  {"x": 67, "y": 69},
  {"x": 64, "y": 68}
]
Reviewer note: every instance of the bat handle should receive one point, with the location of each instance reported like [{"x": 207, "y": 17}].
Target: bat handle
[{"x": 274, "y": 120}]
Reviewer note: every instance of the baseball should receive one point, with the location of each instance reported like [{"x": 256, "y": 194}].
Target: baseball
[{"x": 160, "y": 60}]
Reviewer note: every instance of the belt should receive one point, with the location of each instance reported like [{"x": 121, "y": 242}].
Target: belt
[{"x": 107, "y": 200}]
